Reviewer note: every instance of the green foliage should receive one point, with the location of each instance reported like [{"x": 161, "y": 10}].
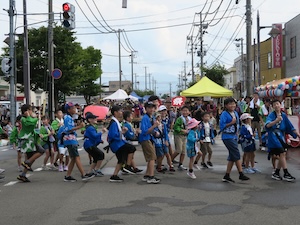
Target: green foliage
[
  {"x": 143, "y": 93},
  {"x": 80, "y": 67},
  {"x": 216, "y": 73}
]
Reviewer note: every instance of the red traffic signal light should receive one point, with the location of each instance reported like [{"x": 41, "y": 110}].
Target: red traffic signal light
[{"x": 66, "y": 7}]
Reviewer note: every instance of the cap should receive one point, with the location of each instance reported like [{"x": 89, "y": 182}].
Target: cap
[
  {"x": 90, "y": 115},
  {"x": 149, "y": 104},
  {"x": 68, "y": 105},
  {"x": 245, "y": 116},
  {"x": 162, "y": 108}
]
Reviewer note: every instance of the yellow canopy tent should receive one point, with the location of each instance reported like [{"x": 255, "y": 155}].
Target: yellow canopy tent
[{"x": 206, "y": 87}]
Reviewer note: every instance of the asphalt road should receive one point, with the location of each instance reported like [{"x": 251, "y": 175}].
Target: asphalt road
[{"x": 48, "y": 200}]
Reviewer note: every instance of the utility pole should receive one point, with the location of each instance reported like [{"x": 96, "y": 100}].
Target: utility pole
[
  {"x": 12, "y": 57},
  {"x": 248, "y": 46},
  {"x": 50, "y": 60},
  {"x": 258, "y": 49},
  {"x": 132, "y": 57},
  {"x": 120, "y": 69},
  {"x": 201, "y": 46},
  {"x": 26, "y": 62},
  {"x": 242, "y": 64},
  {"x": 145, "y": 78},
  {"x": 192, "y": 52},
  {"x": 149, "y": 81},
  {"x": 155, "y": 87},
  {"x": 170, "y": 89},
  {"x": 254, "y": 72},
  {"x": 135, "y": 87}
]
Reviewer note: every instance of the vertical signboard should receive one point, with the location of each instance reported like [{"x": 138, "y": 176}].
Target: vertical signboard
[{"x": 277, "y": 47}]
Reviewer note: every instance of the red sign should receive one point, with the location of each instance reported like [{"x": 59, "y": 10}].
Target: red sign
[
  {"x": 178, "y": 101},
  {"x": 277, "y": 47}
]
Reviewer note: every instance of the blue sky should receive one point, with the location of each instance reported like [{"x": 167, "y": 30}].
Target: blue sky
[{"x": 161, "y": 50}]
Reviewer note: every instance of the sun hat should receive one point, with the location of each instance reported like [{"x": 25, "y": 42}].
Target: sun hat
[
  {"x": 245, "y": 116},
  {"x": 162, "y": 108},
  {"x": 192, "y": 123}
]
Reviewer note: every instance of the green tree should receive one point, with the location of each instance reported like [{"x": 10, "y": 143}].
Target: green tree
[
  {"x": 68, "y": 57},
  {"x": 89, "y": 68},
  {"x": 216, "y": 73},
  {"x": 143, "y": 93}
]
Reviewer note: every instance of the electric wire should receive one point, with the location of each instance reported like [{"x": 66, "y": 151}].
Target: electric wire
[
  {"x": 211, "y": 25},
  {"x": 127, "y": 41},
  {"x": 102, "y": 16}
]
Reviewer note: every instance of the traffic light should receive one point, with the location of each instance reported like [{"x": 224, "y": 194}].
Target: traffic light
[
  {"x": 68, "y": 16},
  {"x": 6, "y": 65}
]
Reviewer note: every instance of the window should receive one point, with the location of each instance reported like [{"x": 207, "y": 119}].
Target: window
[
  {"x": 269, "y": 60},
  {"x": 293, "y": 47}
]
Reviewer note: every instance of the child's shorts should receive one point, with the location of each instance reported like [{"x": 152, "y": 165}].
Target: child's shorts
[
  {"x": 123, "y": 152},
  {"x": 48, "y": 146},
  {"x": 73, "y": 151},
  {"x": 148, "y": 150},
  {"x": 161, "y": 151},
  {"x": 206, "y": 148},
  {"x": 180, "y": 143},
  {"x": 63, "y": 151},
  {"x": 233, "y": 150}
]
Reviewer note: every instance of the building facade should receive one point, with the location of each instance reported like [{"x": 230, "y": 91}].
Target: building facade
[
  {"x": 292, "y": 56},
  {"x": 115, "y": 85}
]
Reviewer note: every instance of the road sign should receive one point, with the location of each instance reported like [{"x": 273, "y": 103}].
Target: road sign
[{"x": 56, "y": 73}]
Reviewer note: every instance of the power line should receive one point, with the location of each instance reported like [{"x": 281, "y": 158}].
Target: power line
[
  {"x": 127, "y": 41},
  {"x": 96, "y": 16},
  {"x": 221, "y": 16},
  {"x": 102, "y": 16}
]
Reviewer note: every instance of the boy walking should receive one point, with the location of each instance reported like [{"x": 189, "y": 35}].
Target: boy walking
[
  {"x": 70, "y": 142},
  {"x": 146, "y": 139},
  {"x": 28, "y": 140},
  {"x": 229, "y": 124}
]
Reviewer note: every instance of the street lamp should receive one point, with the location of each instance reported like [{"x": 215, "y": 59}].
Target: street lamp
[{"x": 274, "y": 32}]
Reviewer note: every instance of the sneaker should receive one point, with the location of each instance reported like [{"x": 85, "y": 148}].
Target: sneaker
[
  {"x": 128, "y": 169},
  {"x": 69, "y": 179},
  {"x": 60, "y": 168},
  {"x": 44, "y": 167},
  {"x": 2, "y": 178},
  {"x": 243, "y": 165},
  {"x": 256, "y": 170},
  {"x": 243, "y": 177},
  {"x": 209, "y": 163},
  {"x": 20, "y": 168},
  {"x": 153, "y": 180},
  {"x": 115, "y": 179},
  {"x": 288, "y": 177},
  {"x": 2, "y": 171},
  {"x": 136, "y": 170},
  {"x": 175, "y": 161},
  {"x": 87, "y": 176},
  {"x": 196, "y": 167},
  {"x": 55, "y": 164},
  {"x": 27, "y": 166},
  {"x": 145, "y": 178},
  {"x": 160, "y": 170},
  {"x": 172, "y": 169},
  {"x": 204, "y": 166},
  {"x": 124, "y": 172},
  {"x": 227, "y": 179},
  {"x": 52, "y": 167},
  {"x": 98, "y": 173},
  {"x": 248, "y": 171},
  {"x": 191, "y": 175},
  {"x": 23, "y": 178},
  {"x": 276, "y": 176},
  {"x": 181, "y": 168},
  {"x": 65, "y": 168}
]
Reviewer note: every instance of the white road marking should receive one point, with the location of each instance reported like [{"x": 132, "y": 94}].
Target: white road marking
[{"x": 4, "y": 150}]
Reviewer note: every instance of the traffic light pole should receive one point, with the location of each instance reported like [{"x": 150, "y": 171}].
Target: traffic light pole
[
  {"x": 50, "y": 62},
  {"x": 12, "y": 56}
]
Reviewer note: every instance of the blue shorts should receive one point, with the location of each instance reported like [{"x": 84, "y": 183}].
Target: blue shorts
[
  {"x": 48, "y": 146},
  {"x": 161, "y": 151},
  {"x": 233, "y": 149},
  {"x": 73, "y": 150}
]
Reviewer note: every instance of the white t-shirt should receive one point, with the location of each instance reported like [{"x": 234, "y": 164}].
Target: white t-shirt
[{"x": 207, "y": 132}]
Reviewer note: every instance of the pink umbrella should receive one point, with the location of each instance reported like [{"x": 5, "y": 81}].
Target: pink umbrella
[{"x": 98, "y": 110}]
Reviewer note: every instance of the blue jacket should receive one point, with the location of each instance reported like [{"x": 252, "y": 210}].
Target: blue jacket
[
  {"x": 162, "y": 138},
  {"x": 145, "y": 125},
  {"x": 115, "y": 137},
  {"x": 70, "y": 137},
  {"x": 129, "y": 135},
  {"x": 191, "y": 140},
  {"x": 229, "y": 132},
  {"x": 202, "y": 134},
  {"x": 246, "y": 139},
  {"x": 281, "y": 129},
  {"x": 167, "y": 121},
  {"x": 91, "y": 137}
]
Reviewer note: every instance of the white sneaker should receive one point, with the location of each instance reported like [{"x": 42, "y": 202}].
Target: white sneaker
[
  {"x": 191, "y": 175},
  {"x": 44, "y": 167},
  {"x": 181, "y": 167},
  {"x": 256, "y": 170},
  {"x": 2, "y": 171},
  {"x": 20, "y": 168},
  {"x": 52, "y": 167},
  {"x": 248, "y": 171},
  {"x": 196, "y": 167}
]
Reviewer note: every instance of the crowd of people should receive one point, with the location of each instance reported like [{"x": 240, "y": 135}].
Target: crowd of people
[{"x": 194, "y": 127}]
